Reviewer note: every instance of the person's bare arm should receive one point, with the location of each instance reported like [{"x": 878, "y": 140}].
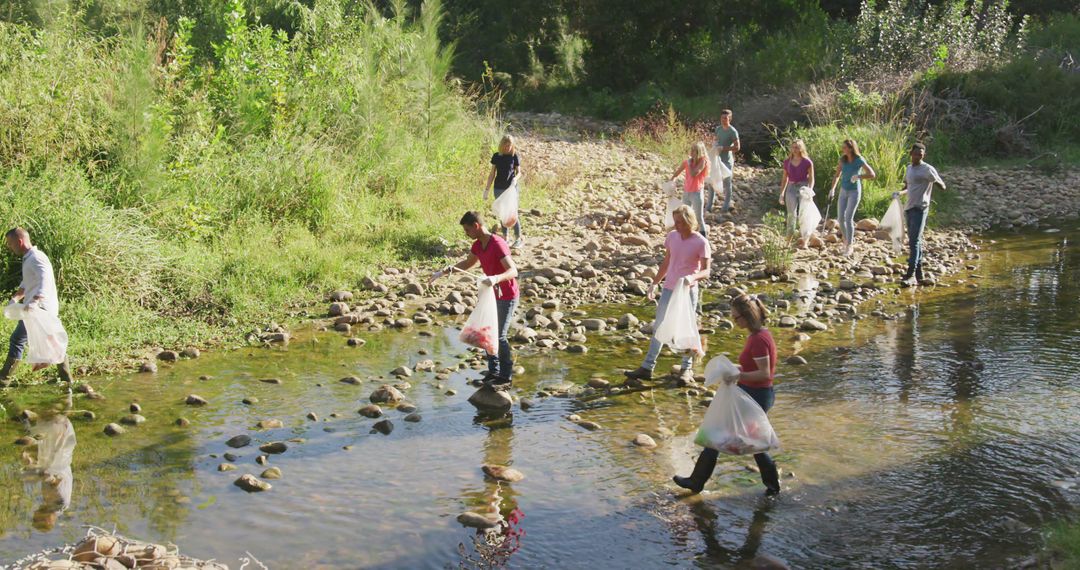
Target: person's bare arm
[
  {"x": 510, "y": 271},
  {"x": 760, "y": 376}
]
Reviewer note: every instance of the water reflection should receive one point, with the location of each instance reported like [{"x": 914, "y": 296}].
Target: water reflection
[
  {"x": 706, "y": 520},
  {"x": 55, "y": 449},
  {"x": 493, "y": 548}
]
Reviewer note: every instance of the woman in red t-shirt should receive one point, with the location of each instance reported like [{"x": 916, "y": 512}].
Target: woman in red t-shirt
[{"x": 757, "y": 367}]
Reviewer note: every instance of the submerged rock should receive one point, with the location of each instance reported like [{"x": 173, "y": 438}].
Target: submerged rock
[
  {"x": 271, "y": 473},
  {"x": 644, "y": 440},
  {"x": 239, "y": 441},
  {"x": 252, "y": 484},
  {"x": 503, "y": 473},
  {"x": 384, "y": 427},
  {"x": 370, "y": 411},
  {"x": 386, "y": 394},
  {"x": 195, "y": 400},
  {"x": 274, "y": 447},
  {"x": 477, "y": 520}
]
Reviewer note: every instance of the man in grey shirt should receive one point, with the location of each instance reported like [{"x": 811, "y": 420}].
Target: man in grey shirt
[
  {"x": 38, "y": 287},
  {"x": 919, "y": 181},
  {"x": 727, "y": 144}
]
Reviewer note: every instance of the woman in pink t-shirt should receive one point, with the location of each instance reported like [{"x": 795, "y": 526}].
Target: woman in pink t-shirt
[
  {"x": 757, "y": 367},
  {"x": 798, "y": 172},
  {"x": 697, "y": 172},
  {"x": 687, "y": 257}
]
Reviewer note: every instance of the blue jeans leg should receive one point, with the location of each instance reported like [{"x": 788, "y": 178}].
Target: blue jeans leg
[
  {"x": 17, "y": 344},
  {"x": 693, "y": 199},
  {"x": 503, "y": 363},
  {"x": 656, "y": 346},
  {"x": 916, "y": 222},
  {"x": 849, "y": 203},
  {"x": 727, "y": 184},
  {"x": 791, "y": 204}
]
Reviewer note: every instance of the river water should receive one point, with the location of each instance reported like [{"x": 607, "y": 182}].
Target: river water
[{"x": 944, "y": 438}]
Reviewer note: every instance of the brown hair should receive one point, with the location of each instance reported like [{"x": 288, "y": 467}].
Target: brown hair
[
  {"x": 725, "y": 112},
  {"x": 752, "y": 309},
  {"x": 854, "y": 149}
]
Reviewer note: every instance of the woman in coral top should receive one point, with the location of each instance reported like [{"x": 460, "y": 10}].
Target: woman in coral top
[
  {"x": 697, "y": 172},
  {"x": 757, "y": 367}
]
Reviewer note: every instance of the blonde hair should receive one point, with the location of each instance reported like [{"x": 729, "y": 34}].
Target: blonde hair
[
  {"x": 752, "y": 309},
  {"x": 507, "y": 143},
  {"x": 697, "y": 150},
  {"x": 685, "y": 214},
  {"x": 799, "y": 144}
]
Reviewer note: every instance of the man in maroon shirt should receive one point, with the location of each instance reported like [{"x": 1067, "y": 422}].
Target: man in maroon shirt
[{"x": 494, "y": 257}]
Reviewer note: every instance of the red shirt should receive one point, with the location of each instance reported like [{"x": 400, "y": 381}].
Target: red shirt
[
  {"x": 491, "y": 262},
  {"x": 758, "y": 345}
]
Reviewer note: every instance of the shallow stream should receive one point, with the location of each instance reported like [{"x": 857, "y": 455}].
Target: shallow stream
[{"x": 945, "y": 438}]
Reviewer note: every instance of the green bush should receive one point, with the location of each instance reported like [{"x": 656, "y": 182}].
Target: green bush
[{"x": 178, "y": 191}]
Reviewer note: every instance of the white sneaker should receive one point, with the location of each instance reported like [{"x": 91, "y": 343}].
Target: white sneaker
[{"x": 516, "y": 244}]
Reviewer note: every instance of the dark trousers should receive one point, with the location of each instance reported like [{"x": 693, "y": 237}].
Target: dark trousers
[
  {"x": 770, "y": 476},
  {"x": 916, "y": 222},
  {"x": 503, "y": 364}
]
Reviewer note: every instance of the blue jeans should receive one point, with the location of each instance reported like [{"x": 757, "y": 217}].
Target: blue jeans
[
  {"x": 656, "y": 346},
  {"x": 517, "y": 226},
  {"x": 18, "y": 342},
  {"x": 503, "y": 363},
  {"x": 770, "y": 476},
  {"x": 693, "y": 199},
  {"x": 727, "y": 188},
  {"x": 849, "y": 202},
  {"x": 916, "y": 222},
  {"x": 791, "y": 203}
]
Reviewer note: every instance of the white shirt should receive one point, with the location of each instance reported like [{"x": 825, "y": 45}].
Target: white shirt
[{"x": 37, "y": 279}]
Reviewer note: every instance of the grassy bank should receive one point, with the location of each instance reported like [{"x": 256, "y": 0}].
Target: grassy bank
[{"x": 185, "y": 197}]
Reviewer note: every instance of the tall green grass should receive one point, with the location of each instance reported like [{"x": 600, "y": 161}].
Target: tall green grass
[{"x": 178, "y": 194}]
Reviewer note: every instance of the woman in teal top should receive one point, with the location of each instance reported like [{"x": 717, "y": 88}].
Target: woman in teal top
[{"x": 850, "y": 172}]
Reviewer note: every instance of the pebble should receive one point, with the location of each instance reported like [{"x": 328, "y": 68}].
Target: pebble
[
  {"x": 269, "y": 424},
  {"x": 114, "y": 429},
  {"x": 183, "y": 422},
  {"x": 796, "y": 360},
  {"x": 271, "y": 473},
  {"x": 133, "y": 420},
  {"x": 370, "y": 411},
  {"x": 384, "y": 427},
  {"x": 195, "y": 400},
  {"x": 386, "y": 394},
  {"x": 477, "y": 520},
  {"x": 239, "y": 441},
  {"x": 413, "y": 417},
  {"x": 226, "y": 467},
  {"x": 270, "y": 380}
]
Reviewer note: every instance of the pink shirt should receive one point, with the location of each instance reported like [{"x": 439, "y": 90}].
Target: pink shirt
[
  {"x": 684, "y": 256},
  {"x": 696, "y": 183},
  {"x": 800, "y": 173},
  {"x": 491, "y": 262}
]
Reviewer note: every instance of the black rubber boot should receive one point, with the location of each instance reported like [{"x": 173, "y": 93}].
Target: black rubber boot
[
  {"x": 703, "y": 469},
  {"x": 770, "y": 475},
  {"x": 9, "y": 364},
  {"x": 65, "y": 372},
  {"x": 641, "y": 373}
]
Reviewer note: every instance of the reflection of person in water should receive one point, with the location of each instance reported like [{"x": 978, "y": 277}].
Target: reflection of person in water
[
  {"x": 56, "y": 445},
  {"x": 705, "y": 519},
  {"x": 496, "y": 545}
]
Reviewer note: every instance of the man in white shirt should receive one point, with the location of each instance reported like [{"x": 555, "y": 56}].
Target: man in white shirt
[{"x": 38, "y": 287}]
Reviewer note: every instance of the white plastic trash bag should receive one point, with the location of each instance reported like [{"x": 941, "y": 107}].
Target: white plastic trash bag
[
  {"x": 718, "y": 173},
  {"x": 669, "y": 213},
  {"x": 505, "y": 207},
  {"x": 809, "y": 215},
  {"x": 670, "y": 189},
  {"x": 893, "y": 222},
  {"x": 678, "y": 327},
  {"x": 734, "y": 423},
  {"x": 45, "y": 335},
  {"x": 718, "y": 369},
  {"x": 482, "y": 328}
]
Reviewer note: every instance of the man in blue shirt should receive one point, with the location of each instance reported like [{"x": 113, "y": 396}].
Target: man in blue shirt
[{"x": 727, "y": 144}]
